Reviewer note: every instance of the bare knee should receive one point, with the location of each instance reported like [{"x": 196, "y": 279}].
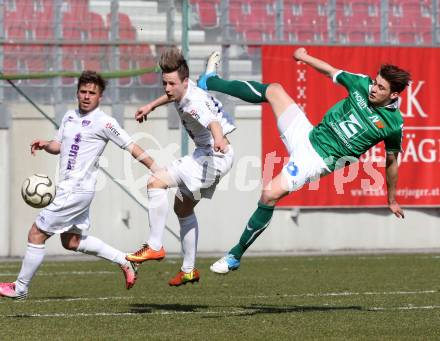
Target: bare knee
[
  {"x": 160, "y": 180},
  {"x": 70, "y": 241},
  {"x": 154, "y": 183},
  {"x": 182, "y": 211},
  {"x": 278, "y": 98},
  {"x": 274, "y": 89},
  {"x": 269, "y": 197},
  {"x": 37, "y": 236}
]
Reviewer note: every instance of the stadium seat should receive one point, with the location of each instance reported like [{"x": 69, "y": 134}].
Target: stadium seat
[
  {"x": 127, "y": 58},
  {"x": 44, "y": 30},
  {"x": 97, "y": 28},
  {"x": 356, "y": 20},
  {"x": 126, "y": 29},
  {"x": 15, "y": 28},
  {"x": 407, "y": 18},
  {"x": 13, "y": 61},
  {"x": 253, "y": 20},
  {"x": 126, "y": 62},
  {"x": 144, "y": 58},
  {"x": 305, "y": 21},
  {"x": 207, "y": 12},
  {"x": 38, "y": 59},
  {"x": 236, "y": 11}
]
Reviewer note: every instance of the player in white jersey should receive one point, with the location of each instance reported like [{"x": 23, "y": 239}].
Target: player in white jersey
[
  {"x": 80, "y": 141},
  {"x": 195, "y": 175}
]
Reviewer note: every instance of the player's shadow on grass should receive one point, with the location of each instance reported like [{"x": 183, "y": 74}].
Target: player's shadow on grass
[
  {"x": 255, "y": 309},
  {"x": 151, "y": 308},
  {"x": 265, "y": 309}
]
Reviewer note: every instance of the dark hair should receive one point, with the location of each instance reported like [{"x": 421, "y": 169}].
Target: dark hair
[
  {"x": 172, "y": 60},
  {"x": 398, "y": 78},
  {"x": 93, "y": 77}
]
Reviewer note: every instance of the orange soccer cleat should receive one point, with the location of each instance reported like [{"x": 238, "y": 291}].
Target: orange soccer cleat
[
  {"x": 184, "y": 277},
  {"x": 145, "y": 253}
]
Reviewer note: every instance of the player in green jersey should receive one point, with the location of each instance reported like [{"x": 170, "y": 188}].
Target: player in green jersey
[{"x": 369, "y": 115}]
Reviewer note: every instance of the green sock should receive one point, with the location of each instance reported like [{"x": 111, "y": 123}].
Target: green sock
[
  {"x": 256, "y": 225},
  {"x": 253, "y": 92}
]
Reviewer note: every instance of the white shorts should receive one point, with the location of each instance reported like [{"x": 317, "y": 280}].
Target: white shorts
[
  {"x": 305, "y": 164},
  {"x": 197, "y": 175},
  {"x": 69, "y": 211}
]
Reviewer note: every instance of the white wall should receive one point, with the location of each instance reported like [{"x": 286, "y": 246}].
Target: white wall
[
  {"x": 4, "y": 192},
  {"x": 221, "y": 219}
]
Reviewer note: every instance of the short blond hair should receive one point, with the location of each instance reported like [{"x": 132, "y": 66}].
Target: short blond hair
[{"x": 172, "y": 60}]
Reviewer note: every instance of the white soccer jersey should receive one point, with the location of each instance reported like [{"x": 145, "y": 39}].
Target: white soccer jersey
[
  {"x": 197, "y": 110},
  {"x": 83, "y": 139}
]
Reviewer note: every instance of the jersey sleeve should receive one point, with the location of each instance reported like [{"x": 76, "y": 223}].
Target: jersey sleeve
[
  {"x": 59, "y": 134},
  {"x": 114, "y": 132},
  {"x": 350, "y": 80},
  {"x": 393, "y": 143}
]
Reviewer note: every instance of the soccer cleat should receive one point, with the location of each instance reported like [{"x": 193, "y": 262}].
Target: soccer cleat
[
  {"x": 225, "y": 264},
  {"x": 211, "y": 70},
  {"x": 130, "y": 273},
  {"x": 145, "y": 253},
  {"x": 8, "y": 290},
  {"x": 184, "y": 277}
]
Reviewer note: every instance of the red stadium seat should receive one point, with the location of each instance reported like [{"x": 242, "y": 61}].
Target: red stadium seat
[
  {"x": 38, "y": 59},
  {"x": 126, "y": 29},
  {"x": 15, "y": 28},
  {"x": 127, "y": 58},
  {"x": 254, "y": 20},
  {"x": 126, "y": 62},
  {"x": 305, "y": 21},
  {"x": 145, "y": 58},
  {"x": 207, "y": 12},
  {"x": 409, "y": 16},
  {"x": 96, "y": 27},
  {"x": 356, "y": 18}
]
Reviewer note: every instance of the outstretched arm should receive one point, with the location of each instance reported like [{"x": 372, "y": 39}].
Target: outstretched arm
[
  {"x": 52, "y": 147},
  {"x": 391, "y": 170},
  {"x": 220, "y": 143},
  {"x": 140, "y": 155},
  {"x": 142, "y": 112},
  {"x": 301, "y": 54}
]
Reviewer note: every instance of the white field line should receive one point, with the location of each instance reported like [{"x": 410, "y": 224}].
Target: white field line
[
  {"x": 325, "y": 294},
  {"x": 79, "y": 273},
  {"x": 59, "y": 264},
  {"x": 207, "y": 312},
  {"x": 409, "y": 307}
]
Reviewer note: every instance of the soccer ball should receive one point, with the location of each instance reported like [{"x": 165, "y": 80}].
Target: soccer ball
[{"x": 38, "y": 190}]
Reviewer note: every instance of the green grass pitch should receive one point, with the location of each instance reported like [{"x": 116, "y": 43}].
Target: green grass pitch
[{"x": 376, "y": 297}]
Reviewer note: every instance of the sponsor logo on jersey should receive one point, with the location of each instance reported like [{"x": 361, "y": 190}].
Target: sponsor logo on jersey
[
  {"x": 208, "y": 104},
  {"x": 377, "y": 121},
  {"x": 379, "y": 124},
  {"x": 73, "y": 153},
  {"x": 292, "y": 169},
  {"x": 349, "y": 129},
  {"x": 360, "y": 100},
  {"x": 112, "y": 129},
  {"x": 86, "y": 123},
  {"x": 351, "y": 126},
  {"x": 194, "y": 114},
  {"x": 70, "y": 118}
]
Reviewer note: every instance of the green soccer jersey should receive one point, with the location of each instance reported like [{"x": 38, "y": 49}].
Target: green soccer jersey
[{"x": 352, "y": 126}]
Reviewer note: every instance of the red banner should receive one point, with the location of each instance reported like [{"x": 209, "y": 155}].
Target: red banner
[{"x": 363, "y": 183}]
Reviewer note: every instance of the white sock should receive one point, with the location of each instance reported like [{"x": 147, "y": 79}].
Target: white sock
[
  {"x": 189, "y": 235},
  {"x": 157, "y": 213},
  {"x": 31, "y": 262},
  {"x": 93, "y": 246}
]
